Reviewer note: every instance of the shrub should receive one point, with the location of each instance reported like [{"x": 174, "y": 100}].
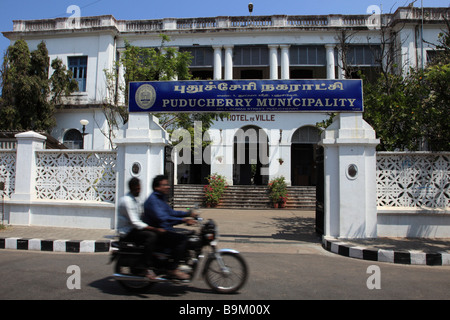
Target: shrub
[
  {"x": 214, "y": 189},
  {"x": 278, "y": 190}
]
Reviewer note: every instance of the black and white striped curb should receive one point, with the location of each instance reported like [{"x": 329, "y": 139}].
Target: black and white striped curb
[
  {"x": 382, "y": 255},
  {"x": 78, "y": 246}
]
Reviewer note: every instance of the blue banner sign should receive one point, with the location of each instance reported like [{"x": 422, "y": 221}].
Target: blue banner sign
[{"x": 246, "y": 96}]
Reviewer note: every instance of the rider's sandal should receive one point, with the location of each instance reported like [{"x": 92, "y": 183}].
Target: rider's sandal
[
  {"x": 179, "y": 275},
  {"x": 151, "y": 275}
]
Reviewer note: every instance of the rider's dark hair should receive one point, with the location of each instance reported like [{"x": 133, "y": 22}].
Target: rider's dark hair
[
  {"x": 157, "y": 180},
  {"x": 134, "y": 182}
]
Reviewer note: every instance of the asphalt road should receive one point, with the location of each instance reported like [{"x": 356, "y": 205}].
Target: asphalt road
[{"x": 310, "y": 274}]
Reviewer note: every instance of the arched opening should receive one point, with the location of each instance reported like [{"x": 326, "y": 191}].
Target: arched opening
[
  {"x": 251, "y": 151},
  {"x": 197, "y": 170},
  {"x": 73, "y": 139},
  {"x": 303, "y": 156}
]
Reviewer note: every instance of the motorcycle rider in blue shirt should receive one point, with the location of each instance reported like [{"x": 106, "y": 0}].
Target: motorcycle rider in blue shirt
[{"x": 159, "y": 214}]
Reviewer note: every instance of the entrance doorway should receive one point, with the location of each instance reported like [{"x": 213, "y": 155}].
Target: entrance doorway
[
  {"x": 248, "y": 151},
  {"x": 303, "y": 156}
]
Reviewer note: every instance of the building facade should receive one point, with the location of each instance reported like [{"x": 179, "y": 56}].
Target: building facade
[{"x": 227, "y": 48}]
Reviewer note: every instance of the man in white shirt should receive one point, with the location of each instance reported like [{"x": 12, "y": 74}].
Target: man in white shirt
[{"x": 130, "y": 226}]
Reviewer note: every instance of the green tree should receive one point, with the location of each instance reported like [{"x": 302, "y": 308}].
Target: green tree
[
  {"x": 29, "y": 97},
  {"x": 411, "y": 112},
  {"x": 390, "y": 107},
  {"x": 437, "y": 101},
  {"x": 436, "y": 106},
  {"x": 152, "y": 64}
]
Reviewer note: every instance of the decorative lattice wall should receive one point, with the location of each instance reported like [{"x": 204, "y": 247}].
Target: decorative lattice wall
[
  {"x": 72, "y": 175},
  {"x": 404, "y": 179},
  {"x": 419, "y": 179},
  {"x": 7, "y": 173}
]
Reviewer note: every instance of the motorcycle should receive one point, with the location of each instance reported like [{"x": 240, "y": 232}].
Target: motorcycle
[{"x": 224, "y": 270}]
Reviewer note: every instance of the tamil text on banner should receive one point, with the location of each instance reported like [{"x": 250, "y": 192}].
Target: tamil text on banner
[{"x": 246, "y": 96}]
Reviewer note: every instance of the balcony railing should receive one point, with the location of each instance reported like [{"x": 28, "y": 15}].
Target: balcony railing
[{"x": 235, "y": 22}]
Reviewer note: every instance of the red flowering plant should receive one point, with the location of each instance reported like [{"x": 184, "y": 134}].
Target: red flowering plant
[
  {"x": 214, "y": 189},
  {"x": 278, "y": 190}
]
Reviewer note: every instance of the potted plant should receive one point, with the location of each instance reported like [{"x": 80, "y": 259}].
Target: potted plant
[
  {"x": 214, "y": 189},
  {"x": 282, "y": 202},
  {"x": 278, "y": 191}
]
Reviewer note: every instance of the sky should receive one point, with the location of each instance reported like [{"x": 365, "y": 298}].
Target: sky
[{"x": 157, "y": 9}]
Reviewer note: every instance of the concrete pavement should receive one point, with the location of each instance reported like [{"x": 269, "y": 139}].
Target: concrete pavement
[{"x": 282, "y": 230}]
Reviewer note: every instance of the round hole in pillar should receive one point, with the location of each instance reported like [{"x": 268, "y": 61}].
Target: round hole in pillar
[
  {"x": 135, "y": 169},
  {"x": 352, "y": 171}
]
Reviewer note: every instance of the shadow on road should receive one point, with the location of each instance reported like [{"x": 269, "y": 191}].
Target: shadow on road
[
  {"x": 296, "y": 228},
  {"x": 110, "y": 286}
]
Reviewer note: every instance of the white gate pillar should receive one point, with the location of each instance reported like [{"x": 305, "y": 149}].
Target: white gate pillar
[
  {"x": 140, "y": 153},
  {"x": 350, "y": 172},
  {"x": 25, "y": 184}
]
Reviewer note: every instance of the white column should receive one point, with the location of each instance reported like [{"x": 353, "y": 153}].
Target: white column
[
  {"x": 279, "y": 148},
  {"x": 27, "y": 144},
  {"x": 140, "y": 152},
  {"x": 217, "y": 62},
  {"x": 222, "y": 153},
  {"x": 273, "y": 54},
  {"x": 331, "y": 74},
  {"x": 350, "y": 178},
  {"x": 25, "y": 184},
  {"x": 285, "y": 61},
  {"x": 120, "y": 77},
  {"x": 228, "y": 62}
]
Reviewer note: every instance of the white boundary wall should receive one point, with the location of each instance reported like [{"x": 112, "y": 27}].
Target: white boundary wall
[
  {"x": 69, "y": 188},
  {"x": 413, "y": 191}
]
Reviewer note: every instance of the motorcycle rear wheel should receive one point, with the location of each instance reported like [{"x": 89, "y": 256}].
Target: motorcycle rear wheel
[
  {"x": 139, "y": 286},
  {"x": 231, "y": 278}
]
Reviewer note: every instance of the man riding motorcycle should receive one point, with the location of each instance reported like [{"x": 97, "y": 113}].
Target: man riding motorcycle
[
  {"x": 130, "y": 226},
  {"x": 158, "y": 214}
]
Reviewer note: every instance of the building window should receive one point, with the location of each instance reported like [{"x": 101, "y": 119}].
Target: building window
[
  {"x": 201, "y": 57},
  {"x": 73, "y": 139},
  {"x": 306, "y": 135},
  {"x": 364, "y": 55},
  {"x": 251, "y": 56},
  {"x": 307, "y": 56},
  {"x": 78, "y": 66},
  {"x": 433, "y": 56}
]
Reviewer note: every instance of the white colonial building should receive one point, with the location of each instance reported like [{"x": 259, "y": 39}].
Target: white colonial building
[
  {"x": 224, "y": 48},
  {"x": 363, "y": 193}
]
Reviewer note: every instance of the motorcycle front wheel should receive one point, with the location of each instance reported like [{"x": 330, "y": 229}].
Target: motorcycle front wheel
[{"x": 225, "y": 272}]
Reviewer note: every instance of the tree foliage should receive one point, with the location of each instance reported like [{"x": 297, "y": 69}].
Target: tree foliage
[
  {"x": 154, "y": 64},
  {"x": 29, "y": 97},
  {"x": 411, "y": 112}
]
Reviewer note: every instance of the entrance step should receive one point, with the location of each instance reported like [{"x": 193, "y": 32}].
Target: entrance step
[
  {"x": 301, "y": 197},
  {"x": 188, "y": 196},
  {"x": 244, "y": 197}
]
